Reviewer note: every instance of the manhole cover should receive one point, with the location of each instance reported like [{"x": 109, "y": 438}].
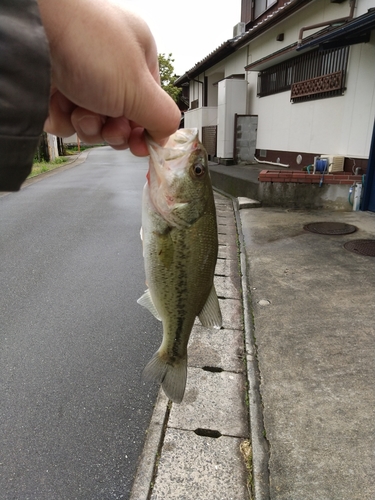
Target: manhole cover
[
  {"x": 332, "y": 228},
  {"x": 362, "y": 247}
]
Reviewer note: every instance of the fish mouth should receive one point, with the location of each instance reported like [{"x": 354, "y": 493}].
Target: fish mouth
[
  {"x": 170, "y": 157},
  {"x": 181, "y": 139},
  {"x": 182, "y": 142}
]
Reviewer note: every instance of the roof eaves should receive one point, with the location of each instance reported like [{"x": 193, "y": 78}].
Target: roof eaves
[
  {"x": 281, "y": 55},
  {"x": 362, "y": 24},
  {"x": 274, "y": 17},
  {"x": 233, "y": 44},
  {"x": 220, "y": 53},
  {"x": 273, "y": 58}
]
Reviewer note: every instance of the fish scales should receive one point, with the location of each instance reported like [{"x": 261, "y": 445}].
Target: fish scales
[
  {"x": 183, "y": 292},
  {"x": 180, "y": 245}
]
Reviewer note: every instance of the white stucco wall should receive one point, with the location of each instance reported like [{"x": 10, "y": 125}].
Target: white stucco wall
[
  {"x": 359, "y": 108},
  {"x": 232, "y": 100},
  {"x": 201, "y": 117},
  {"x": 338, "y": 125},
  {"x": 235, "y": 64},
  {"x": 312, "y": 13},
  {"x": 232, "y": 65},
  {"x": 71, "y": 139},
  {"x": 212, "y": 88}
]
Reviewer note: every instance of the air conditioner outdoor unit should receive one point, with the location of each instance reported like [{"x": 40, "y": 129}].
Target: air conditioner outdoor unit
[{"x": 238, "y": 29}]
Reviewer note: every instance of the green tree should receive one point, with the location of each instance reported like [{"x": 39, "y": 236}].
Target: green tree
[{"x": 168, "y": 76}]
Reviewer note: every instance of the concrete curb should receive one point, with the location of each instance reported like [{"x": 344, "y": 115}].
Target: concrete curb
[
  {"x": 154, "y": 440},
  {"x": 259, "y": 444}
]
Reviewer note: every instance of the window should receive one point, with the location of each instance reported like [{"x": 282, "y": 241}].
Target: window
[
  {"x": 275, "y": 79},
  {"x": 194, "y": 104},
  {"x": 315, "y": 75},
  {"x": 261, "y": 6}
]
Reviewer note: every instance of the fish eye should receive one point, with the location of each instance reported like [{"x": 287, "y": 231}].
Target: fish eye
[{"x": 198, "y": 169}]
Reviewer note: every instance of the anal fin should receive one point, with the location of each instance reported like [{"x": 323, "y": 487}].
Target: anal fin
[
  {"x": 210, "y": 315},
  {"x": 147, "y": 302}
]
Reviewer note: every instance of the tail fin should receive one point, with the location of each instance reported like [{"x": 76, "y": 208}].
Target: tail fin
[{"x": 171, "y": 376}]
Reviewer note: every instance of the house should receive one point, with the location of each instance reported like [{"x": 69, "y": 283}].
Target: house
[{"x": 294, "y": 85}]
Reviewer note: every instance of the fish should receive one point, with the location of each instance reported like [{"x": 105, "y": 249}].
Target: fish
[{"x": 180, "y": 246}]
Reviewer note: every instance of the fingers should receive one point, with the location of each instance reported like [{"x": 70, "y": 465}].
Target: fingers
[
  {"x": 161, "y": 118},
  {"x": 137, "y": 142},
  {"x": 116, "y": 132},
  {"x": 157, "y": 113},
  {"x": 93, "y": 128},
  {"x": 88, "y": 125},
  {"x": 58, "y": 121}
]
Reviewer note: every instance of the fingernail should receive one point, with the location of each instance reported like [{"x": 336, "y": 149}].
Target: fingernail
[
  {"x": 115, "y": 141},
  {"x": 90, "y": 125}
]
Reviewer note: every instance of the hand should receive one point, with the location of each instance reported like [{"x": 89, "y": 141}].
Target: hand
[{"x": 105, "y": 76}]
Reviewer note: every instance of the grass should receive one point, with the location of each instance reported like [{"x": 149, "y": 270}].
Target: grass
[
  {"x": 245, "y": 448},
  {"x": 39, "y": 167},
  {"x": 46, "y": 166},
  {"x": 73, "y": 150}
]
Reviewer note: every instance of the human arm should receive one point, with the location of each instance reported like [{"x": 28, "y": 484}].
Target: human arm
[
  {"x": 105, "y": 80},
  {"x": 24, "y": 89},
  {"x": 105, "y": 76}
]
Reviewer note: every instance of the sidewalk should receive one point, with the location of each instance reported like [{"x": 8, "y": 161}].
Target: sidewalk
[
  {"x": 307, "y": 386},
  {"x": 313, "y": 307}
]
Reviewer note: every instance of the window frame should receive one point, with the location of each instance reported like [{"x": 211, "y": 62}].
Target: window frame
[
  {"x": 316, "y": 70},
  {"x": 267, "y": 5}
]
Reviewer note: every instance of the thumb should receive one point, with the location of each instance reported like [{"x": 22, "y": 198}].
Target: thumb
[{"x": 156, "y": 112}]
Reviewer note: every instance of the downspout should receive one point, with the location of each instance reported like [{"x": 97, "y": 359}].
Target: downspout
[
  {"x": 247, "y": 76},
  {"x": 327, "y": 23}
]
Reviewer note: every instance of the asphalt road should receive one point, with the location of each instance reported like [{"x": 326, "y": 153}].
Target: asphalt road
[{"x": 73, "y": 340}]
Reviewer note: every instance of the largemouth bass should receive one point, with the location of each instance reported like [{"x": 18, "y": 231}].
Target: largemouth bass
[{"x": 180, "y": 244}]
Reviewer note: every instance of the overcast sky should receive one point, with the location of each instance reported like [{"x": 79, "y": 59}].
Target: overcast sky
[{"x": 190, "y": 30}]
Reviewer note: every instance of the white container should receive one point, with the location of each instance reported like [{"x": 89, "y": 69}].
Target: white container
[{"x": 357, "y": 196}]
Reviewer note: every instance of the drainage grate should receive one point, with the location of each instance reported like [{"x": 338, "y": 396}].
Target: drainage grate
[
  {"x": 213, "y": 369},
  {"x": 208, "y": 433},
  {"x": 331, "y": 228},
  {"x": 361, "y": 247}
]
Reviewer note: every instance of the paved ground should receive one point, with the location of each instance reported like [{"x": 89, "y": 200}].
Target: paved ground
[
  {"x": 308, "y": 328},
  {"x": 73, "y": 340},
  {"x": 292, "y": 370},
  {"x": 313, "y": 308}
]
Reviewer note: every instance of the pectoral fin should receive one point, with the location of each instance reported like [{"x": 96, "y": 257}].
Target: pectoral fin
[
  {"x": 210, "y": 315},
  {"x": 147, "y": 302}
]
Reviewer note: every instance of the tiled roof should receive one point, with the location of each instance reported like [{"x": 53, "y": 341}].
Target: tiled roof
[{"x": 231, "y": 45}]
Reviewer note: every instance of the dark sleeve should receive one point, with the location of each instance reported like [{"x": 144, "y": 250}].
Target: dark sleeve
[{"x": 24, "y": 89}]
